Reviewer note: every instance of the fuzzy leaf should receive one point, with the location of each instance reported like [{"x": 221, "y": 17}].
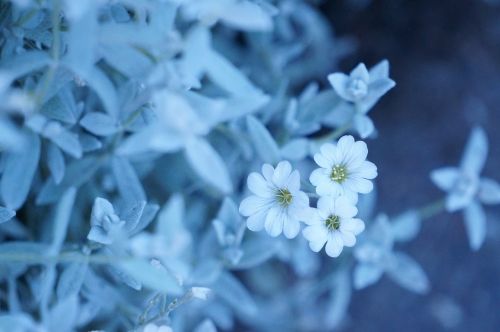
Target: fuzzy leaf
[
  {"x": 18, "y": 174},
  {"x": 207, "y": 163}
]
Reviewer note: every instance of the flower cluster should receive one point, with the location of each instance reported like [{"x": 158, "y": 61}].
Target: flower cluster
[
  {"x": 278, "y": 204},
  {"x": 127, "y": 129}
]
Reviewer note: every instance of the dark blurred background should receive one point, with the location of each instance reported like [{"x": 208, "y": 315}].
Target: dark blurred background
[{"x": 445, "y": 59}]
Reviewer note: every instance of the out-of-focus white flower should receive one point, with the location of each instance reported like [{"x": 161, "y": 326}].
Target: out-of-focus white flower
[
  {"x": 362, "y": 88},
  {"x": 200, "y": 292},
  {"x": 466, "y": 189},
  {"x": 157, "y": 328}
]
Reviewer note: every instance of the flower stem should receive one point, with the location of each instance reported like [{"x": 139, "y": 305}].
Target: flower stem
[
  {"x": 335, "y": 134},
  {"x": 432, "y": 209}
]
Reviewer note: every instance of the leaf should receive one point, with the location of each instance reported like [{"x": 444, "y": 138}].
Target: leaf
[
  {"x": 99, "y": 124},
  {"x": 56, "y": 163},
  {"x": 296, "y": 149},
  {"x": 71, "y": 280},
  {"x": 227, "y": 76},
  {"x": 16, "y": 322},
  {"x": 255, "y": 253},
  {"x": 264, "y": 143},
  {"x": 366, "y": 275},
  {"x": 77, "y": 173},
  {"x": 153, "y": 277},
  {"x": 207, "y": 163},
  {"x": 6, "y": 214},
  {"x": 63, "y": 314},
  {"x": 475, "y": 224},
  {"x": 148, "y": 215},
  {"x": 67, "y": 141},
  {"x": 21, "y": 64},
  {"x": 61, "y": 107},
  {"x": 82, "y": 35},
  {"x": 18, "y": 173},
  {"x": 62, "y": 218},
  {"x": 103, "y": 87},
  {"x": 235, "y": 294},
  {"x": 406, "y": 272},
  {"x": 171, "y": 218},
  {"x": 129, "y": 185}
]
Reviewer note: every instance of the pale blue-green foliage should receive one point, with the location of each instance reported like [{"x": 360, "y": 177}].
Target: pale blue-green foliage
[{"x": 127, "y": 131}]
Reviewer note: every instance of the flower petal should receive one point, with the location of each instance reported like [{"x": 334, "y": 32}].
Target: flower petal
[
  {"x": 256, "y": 221},
  {"x": 334, "y": 244},
  {"x": 367, "y": 170},
  {"x": 293, "y": 181},
  {"x": 344, "y": 146},
  {"x": 323, "y": 161},
  {"x": 281, "y": 173},
  {"x": 258, "y": 185},
  {"x": 354, "y": 226},
  {"x": 253, "y": 204},
  {"x": 358, "y": 184},
  {"x": 445, "y": 178},
  {"x": 274, "y": 221},
  {"x": 456, "y": 201},
  {"x": 344, "y": 208},
  {"x": 319, "y": 176},
  {"x": 356, "y": 155},
  {"x": 268, "y": 171},
  {"x": 315, "y": 234},
  {"x": 291, "y": 227},
  {"x": 348, "y": 238}
]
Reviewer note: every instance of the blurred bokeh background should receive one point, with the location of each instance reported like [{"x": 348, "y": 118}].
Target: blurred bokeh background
[{"x": 445, "y": 58}]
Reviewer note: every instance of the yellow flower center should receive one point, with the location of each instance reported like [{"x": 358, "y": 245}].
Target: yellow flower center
[
  {"x": 284, "y": 197},
  {"x": 339, "y": 173},
  {"x": 332, "y": 222}
]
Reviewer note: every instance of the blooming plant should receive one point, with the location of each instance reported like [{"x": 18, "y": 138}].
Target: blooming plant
[{"x": 127, "y": 132}]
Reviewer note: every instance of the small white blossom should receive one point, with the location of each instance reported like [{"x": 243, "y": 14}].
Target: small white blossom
[
  {"x": 155, "y": 328},
  {"x": 277, "y": 204},
  {"x": 344, "y": 169},
  {"x": 466, "y": 189},
  {"x": 333, "y": 224},
  {"x": 362, "y": 89},
  {"x": 200, "y": 292}
]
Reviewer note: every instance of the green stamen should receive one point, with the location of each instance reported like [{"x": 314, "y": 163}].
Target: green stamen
[
  {"x": 332, "y": 223},
  {"x": 339, "y": 173},
  {"x": 284, "y": 197}
]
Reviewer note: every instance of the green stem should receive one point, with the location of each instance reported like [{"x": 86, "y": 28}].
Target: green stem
[
  {"x": 335, "y": 134},
  {"x": 65, "y": 257},
  {"x": 432, "y": 209}
]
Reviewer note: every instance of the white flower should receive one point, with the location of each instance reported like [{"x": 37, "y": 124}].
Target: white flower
[
  {"x": 333, "y": 224},
  {"x": 155, "y": 328},
  {"x": 277, "y": 204},
  {"x": 200, "y": 292},
  {"x": 361, "y": 89},
  {"x": 344, "y": 169},
  {"x": 466, "y": 189}
]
